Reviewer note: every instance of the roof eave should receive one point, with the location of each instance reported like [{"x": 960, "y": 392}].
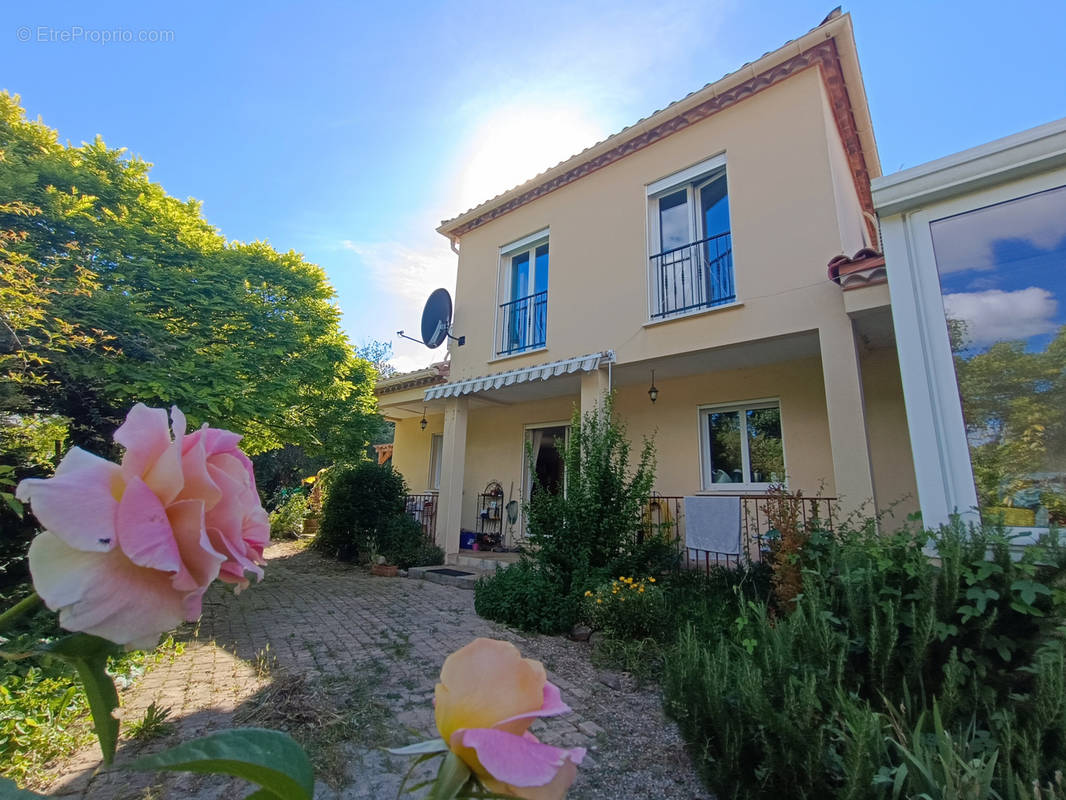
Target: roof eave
[{"x": 837, "y": 28}]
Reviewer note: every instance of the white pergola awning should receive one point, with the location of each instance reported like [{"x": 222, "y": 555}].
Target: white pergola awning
[{"x": 543, "y": 372}]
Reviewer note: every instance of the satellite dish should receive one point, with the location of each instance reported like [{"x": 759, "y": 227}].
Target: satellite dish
[
  {"x": 436, "y": 318},
  {"x": 436, "y": 321}
]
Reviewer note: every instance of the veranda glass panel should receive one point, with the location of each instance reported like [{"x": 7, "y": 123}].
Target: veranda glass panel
[
  {"x": 1003, "y": 277},
  {"x": 765, "y": 451},
  {"x": 726, "y": 460}
]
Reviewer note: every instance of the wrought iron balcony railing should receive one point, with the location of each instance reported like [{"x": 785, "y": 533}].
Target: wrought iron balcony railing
[
  {"x": 523, "y": 324},
  {"x": 693, "y": 276}
]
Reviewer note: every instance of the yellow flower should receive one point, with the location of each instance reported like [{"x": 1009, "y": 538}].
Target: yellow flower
[
  {"x": 588, "y": 594},
  {"x": 652, "y": 580},
  {"x": 599, "y": 599}
]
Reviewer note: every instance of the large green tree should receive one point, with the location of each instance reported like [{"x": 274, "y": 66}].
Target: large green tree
[{"x": 113, "y": 292}]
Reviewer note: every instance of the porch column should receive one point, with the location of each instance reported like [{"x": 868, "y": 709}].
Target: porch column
[
  {"x": 842, "y": 373},
  {"x": 453, "y": 464},
  {"x": 593, "y": 387}
]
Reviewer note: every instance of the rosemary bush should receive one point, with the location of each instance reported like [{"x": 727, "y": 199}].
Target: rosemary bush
[{"x": 806, "y": 703}]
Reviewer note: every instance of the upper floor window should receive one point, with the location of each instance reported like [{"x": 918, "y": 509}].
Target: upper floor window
[
  {"x": 690, "y": 249},
  {"x": 522, "y": 321}
]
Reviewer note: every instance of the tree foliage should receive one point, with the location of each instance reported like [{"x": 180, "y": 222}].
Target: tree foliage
[
  {"x": 1014, "y": 403},
  {"x": 114, "y": 292}
]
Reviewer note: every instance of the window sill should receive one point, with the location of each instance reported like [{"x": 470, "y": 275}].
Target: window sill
[
  {"x": 736, "y": 488},
  {"x": 518, "y": 354},
  {"x": 697, "y": 313}
]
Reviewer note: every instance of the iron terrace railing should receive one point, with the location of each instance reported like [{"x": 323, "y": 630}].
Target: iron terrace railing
[
  {"x": 666, "y": 515},
  {"x": 523, "y": 324},
  {"x": 423, "y": 508},
  {"x": 693, "y": 276}
]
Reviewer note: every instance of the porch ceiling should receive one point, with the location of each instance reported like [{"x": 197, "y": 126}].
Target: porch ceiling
[{"x": 716, "y": 359}]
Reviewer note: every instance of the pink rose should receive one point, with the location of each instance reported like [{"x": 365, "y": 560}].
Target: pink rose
[
  {"x": 128, "y": 550},
  {"x": 487, "y": 698}
]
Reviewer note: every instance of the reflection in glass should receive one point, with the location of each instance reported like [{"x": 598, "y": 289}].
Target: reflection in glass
[
  {"x": 724, "y": 430},
  {"x": 765, "y": 451},
  {"x": 1003, "y": 277}
]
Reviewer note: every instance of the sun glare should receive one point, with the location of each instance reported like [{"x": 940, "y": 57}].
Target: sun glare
[{"x": 518, "y": 141}]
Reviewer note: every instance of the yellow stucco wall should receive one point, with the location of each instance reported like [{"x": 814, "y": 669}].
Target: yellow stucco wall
[
  {"x": 494, "y": 445},
  {"x": 895, "y": 486},
  {"x": 674, "y": 421},
  {"x": 410, "y": 454},
  {"x": 785, "y": 222},
  {"x": 495, "y": 436}
]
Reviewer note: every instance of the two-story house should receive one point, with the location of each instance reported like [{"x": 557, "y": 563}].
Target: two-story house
[{"x": 688, "y": 252}]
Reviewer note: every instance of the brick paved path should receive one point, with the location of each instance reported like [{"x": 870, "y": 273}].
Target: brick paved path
[{"x": 347, "y": 663}]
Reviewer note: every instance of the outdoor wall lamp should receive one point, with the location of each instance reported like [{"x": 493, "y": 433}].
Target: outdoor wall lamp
[
  {"x": 653, "y": 392},
  {"x": 423, "y": 423}
]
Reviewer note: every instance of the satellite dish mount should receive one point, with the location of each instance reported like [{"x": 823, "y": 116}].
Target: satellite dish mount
[{"x": 436, "y": 321}]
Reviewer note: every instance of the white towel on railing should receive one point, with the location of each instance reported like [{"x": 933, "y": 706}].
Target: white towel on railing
[{"x": 713, "y": 524}]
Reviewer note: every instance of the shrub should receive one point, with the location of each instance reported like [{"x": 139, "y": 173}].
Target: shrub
[
  {"x": 625, "y": 608},
  {"x": 581, "y": 536},
  {"x": 287, "y": 520},
  {"x": 401, "y": 540},
  {"x": 527, "y": 596},
  {"x": 797, "y": 704},
  {"x": 359, "y": 501},
  {"x": 597, "y": 521}
]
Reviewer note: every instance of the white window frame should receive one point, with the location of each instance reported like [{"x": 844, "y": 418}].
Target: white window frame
[
  {"x": 909, "y": 203},
  {"x": 504, "y": 278},
  {"x": 742, "y": 407},
  {"x": 691, "y": 179}
]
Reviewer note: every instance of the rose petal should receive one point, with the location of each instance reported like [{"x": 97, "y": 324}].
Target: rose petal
[
  {"x": 146, "y": 436},
  {"x": 165, "y": 475},
  {"x": 144, "y": 531},
  {"x": 520, "y": 761},
  {"x": 200, "y": 559},
  {"x": 485, "y": 682},
  {"x": 103, "y": 593},
  {"x": 556, "y": 790},
  {"x": 552, "y": 706},
  {"x": 198, "y": 483},
  {"x": 79, "y": 504}
]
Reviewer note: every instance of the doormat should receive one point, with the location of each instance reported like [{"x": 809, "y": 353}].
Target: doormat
[{"x": 454, "y": 573}]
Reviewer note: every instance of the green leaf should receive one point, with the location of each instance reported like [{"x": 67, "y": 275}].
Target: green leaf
[
  {"x": 270, "y": 759},
  {"x": 451, "y": 778},
  {"x": 88, "y": 654},
  {"x": 10, "y": 791},
  {"x": 428, "y": 746}
]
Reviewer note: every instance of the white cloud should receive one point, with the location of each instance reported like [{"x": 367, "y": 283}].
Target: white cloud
[
  {"x": 967, "y": 241},
  {"x": 995, "y": 316},
  {"x": 404, "y": 274}
]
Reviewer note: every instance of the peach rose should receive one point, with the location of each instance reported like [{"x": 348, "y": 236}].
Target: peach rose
[
  {"x": 487, "y": 698},
  {"x": 128, "y": 550}
]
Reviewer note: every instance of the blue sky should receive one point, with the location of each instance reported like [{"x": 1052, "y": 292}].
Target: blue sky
[{"x": 347, "y": 131}]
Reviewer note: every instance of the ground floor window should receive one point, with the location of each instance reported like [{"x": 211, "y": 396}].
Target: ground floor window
[{"x": 741, "y": 445}]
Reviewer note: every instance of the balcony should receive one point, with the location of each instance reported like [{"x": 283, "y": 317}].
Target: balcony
[
  {"x": 523, "y": 324},
  {"x": 692, "y": 277}
]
